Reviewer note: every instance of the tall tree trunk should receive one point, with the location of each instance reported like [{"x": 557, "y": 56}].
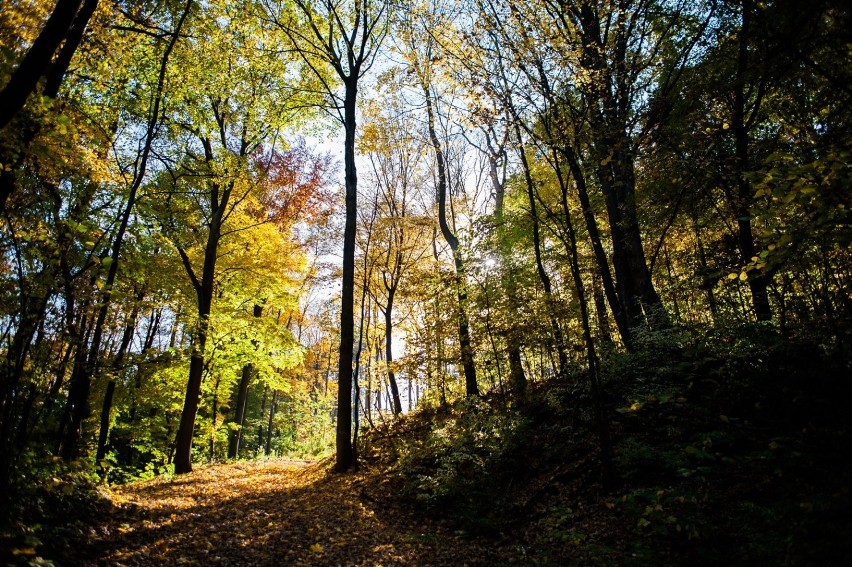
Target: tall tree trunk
[
  {"x": 273, "y": 406},
  {"x": 14, "y": 157},
  {"x": 466, "y": 352},
  {"x": 539, "y": 261},
  {"x": 609, "y": 286},
  {"x": 37, "y": 60},
  {"x": 204, "y": 295},
  {"x": 397, "y": 404},
  {"x": 757, "y": 282},
  {"x": 81, "y": 382},
  {"x": 117, "y": 363},
  {"x": 236, "y": 435},
  {"x": 345, "y": 457},
  {"x": 591, "y": 356},
  {"x": 240, "y": 412}
]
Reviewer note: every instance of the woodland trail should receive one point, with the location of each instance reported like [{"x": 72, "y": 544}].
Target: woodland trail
[{"x": 271, "y": 513}]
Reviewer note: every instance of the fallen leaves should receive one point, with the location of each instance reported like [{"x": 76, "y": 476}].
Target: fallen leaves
[{"x": 271, "y": 513}]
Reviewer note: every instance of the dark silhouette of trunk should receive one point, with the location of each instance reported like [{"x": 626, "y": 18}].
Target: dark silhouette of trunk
[
  {"x": 117, "y": 363},
  {"x": 242, "y": 397},
  {"x": 539, "y": 262},
  {"x": 273, "y": 406},
  {"x": 707, "y": 282},
  {"x": 350, "y": 52},
  {"x": 36, "y": 62},
  {"x": 609, "y": 99},
  {"x": 14, "y": 157},
  {"x": 466, "y": 353},
  {"x": 397, "y": 404},
  {"x": 591, "y": 356},
  {"x": 240, "y": 412},
  {"x": 32, "y": 313},
  {"x": 240, "y": 407},
  {"x": 600, "y": 309},
  {"x": 757, "y": 282},
  {"x": 609, "y": 287},
  {"x": 204, "y": 295},
  {"x": 345, "y": 457}
]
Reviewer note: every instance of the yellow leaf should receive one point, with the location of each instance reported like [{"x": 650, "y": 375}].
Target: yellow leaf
[
  {"x": 316, "y": 548},
  {"x": 24, "y": 551},
  {"x": 733, "y": 276},
  {"x": 743, "y": 276}
]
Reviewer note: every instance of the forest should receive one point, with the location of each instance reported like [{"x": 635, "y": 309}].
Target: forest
[{"x": 537, "y": 282}]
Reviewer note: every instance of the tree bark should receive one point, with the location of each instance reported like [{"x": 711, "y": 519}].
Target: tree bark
[
  {"x": 397, "y": 404},
  {"x": 35, "y": 63},
  {"x": 757, "y": 282},
  {"x": 242, "y": 397},
  {"x": 466, "y": 354},
  {"x": 345, "y": 457}
]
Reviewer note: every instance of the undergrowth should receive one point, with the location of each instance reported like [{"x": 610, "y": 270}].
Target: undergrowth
[{"x": 728, "y": 447}]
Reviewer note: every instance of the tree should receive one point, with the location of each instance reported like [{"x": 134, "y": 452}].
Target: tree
[
  {"x": 343, "y": 37},
  {"x": 397, "y": 233},
  {"x": 420, "y": 50},
  {"x": 238, "y": 98}
]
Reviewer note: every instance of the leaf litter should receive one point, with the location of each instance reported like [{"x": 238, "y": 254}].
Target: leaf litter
[{"x": 279, "y": 512}]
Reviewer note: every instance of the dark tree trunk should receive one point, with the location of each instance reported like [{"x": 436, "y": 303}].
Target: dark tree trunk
[
  {"x": 242, "y": 397},
  {"x": 345, "y": 457},
  {"x": 539, "y": 261},
  {"x": 37, "y": 60},
  {"x": 613, "y": 299},
  {"x": 466, "y": 354},
  {"x": 240, "y": 412},
  {"x": 117, "y": 363},
  {"x": 81, "y": 381},
  {"x": 204, "y": 294},
  {"x": 273, "y": 405},
  {"x": 591, "y": 356},
  {"x": 397, "y": 404},
  {"x": 757, "y": 282}
]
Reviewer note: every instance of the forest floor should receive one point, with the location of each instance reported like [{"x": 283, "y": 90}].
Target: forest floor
[{"x": 280, "y": 512}]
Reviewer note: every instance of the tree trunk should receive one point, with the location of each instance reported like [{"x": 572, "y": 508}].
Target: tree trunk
[
  {"x": 204, "y": 294},
  {"x": 757, "y": 282},
  {"x": 397, "y": 404},
  {"x": 36, "y": 62},
  {"x": 345, "y": 457},
  {"x": 466, "y": 354},
  {"x": 242, "y": 397},
  {"x": 539, "y": 261},
  {"x": 273, "y": 405}
]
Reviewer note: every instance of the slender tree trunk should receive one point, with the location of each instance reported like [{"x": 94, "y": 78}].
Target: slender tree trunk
[
  {"x": 539, "y": 261},
  {"x": 117, "y": 363},
  {"x": 204, "y": 294},
  {"x": 600, "y": 309},
  {"x": 471, "y": 387},
  {"x": 273, "y": 406},
  {"x": 397, "y": 404},
  {"x": 757, "y": 282},
  {"x": 81, "y": 382},
  {"x": 37, "y": 60},
  {"x": 591, "y": 356},
  {"x": 345, "y": 457},
  {"x": 240, "y": 412},
  {"x": 236, "y": 435},
  {"x": 609, "y": 286}
]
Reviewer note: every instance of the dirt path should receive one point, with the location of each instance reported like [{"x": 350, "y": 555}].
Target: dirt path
[{"x": 271, "y": 513}]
